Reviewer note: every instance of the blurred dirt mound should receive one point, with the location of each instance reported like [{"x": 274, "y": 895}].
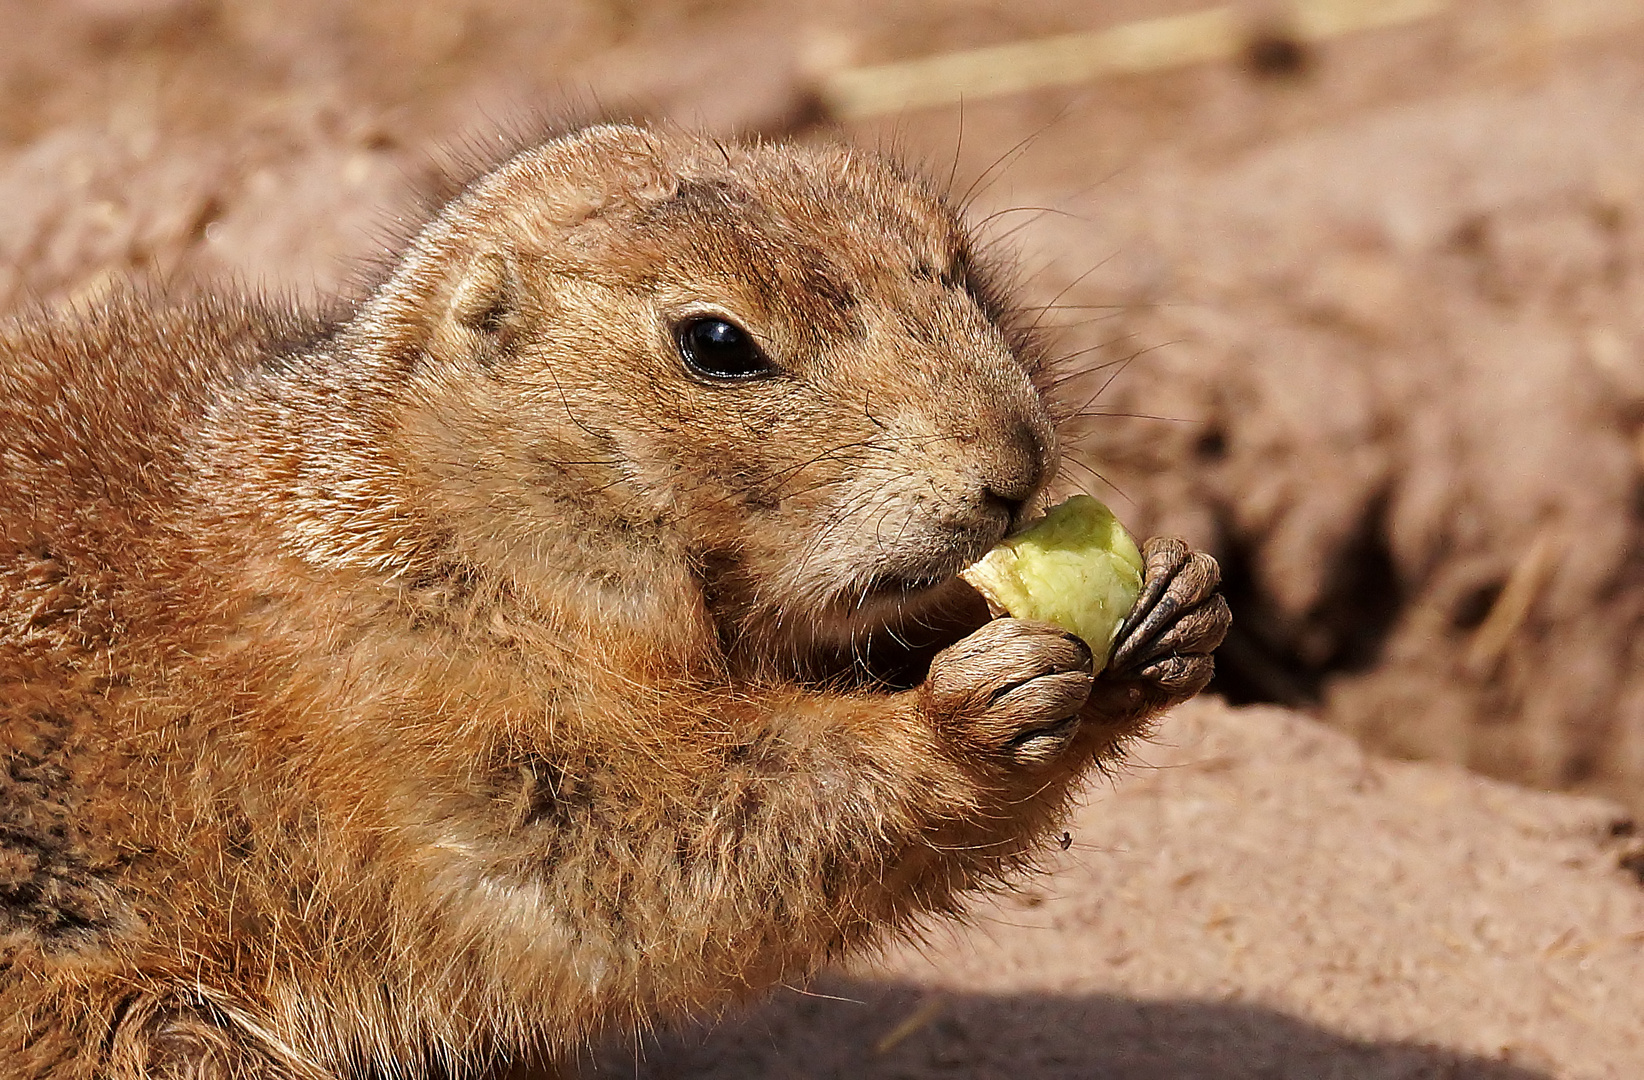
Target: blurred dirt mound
[
  {"x": 1256, "y": 897},
  {"x": 1410, "y": 348}
]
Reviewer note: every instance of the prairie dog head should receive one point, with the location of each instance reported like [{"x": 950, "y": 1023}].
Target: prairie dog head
[{"x": 775, "y": 366}]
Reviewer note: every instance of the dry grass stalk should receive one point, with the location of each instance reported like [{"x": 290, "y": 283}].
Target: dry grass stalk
[{"x": 1130, "y": 48}]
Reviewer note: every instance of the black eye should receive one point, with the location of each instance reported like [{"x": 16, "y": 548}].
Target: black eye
[{"x": 720, "y": 349}]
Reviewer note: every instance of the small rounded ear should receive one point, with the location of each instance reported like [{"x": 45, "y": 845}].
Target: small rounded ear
[{"x": 484, "y": 295}]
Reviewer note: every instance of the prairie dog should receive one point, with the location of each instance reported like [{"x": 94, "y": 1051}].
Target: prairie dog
[{"x": 563, "y": 639}]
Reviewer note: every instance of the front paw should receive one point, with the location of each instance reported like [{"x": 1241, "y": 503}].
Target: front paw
[
  {"x": 1162, "y": 655},
  {"x": 1010, "y": 692}
]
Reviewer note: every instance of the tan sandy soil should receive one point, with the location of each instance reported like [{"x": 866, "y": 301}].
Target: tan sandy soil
[
  {"x": 1256, "y": 897},
  {"x": 1390, "y": 308}
]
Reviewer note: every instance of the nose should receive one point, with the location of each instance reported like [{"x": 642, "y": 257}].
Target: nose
[{"x": 1014, "y": 464}]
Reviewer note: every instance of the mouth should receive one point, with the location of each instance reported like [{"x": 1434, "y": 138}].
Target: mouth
[
  {"x": 909, "y": 578},
  {"x": 901, "y": 618},
  {"x": 888, "y": 623},
  {"x": 904, "y": 583}
]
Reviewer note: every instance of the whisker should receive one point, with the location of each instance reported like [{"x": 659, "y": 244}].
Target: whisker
[
  {"x": 1005, "y": 237},
  {"x": 984, "y": 222},
  {"x": 1133, "y": 415},
  {"x": 1099, "y": 477},
  {"x": 1069, "y": 287},
  {"x": 1065, "y": 359},
  {"x": 1122, "y": 368},
  {"x": 982, "y": 183},
  {"x": 1078, "y": 307}
]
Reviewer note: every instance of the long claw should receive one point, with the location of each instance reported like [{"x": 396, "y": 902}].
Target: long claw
[{"x": 1176, "y": 580}]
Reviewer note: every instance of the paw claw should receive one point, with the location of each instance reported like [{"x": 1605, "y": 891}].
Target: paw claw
[
  {"x": 1177, "y": 581},
  {"x": 1196, "y": 632},
  {"x": 1163, "y": 649},
  {"x": 1162, "y": 556},
  {"x": 1012, "y": 689},
  {"x": 1179, "y": 676}
]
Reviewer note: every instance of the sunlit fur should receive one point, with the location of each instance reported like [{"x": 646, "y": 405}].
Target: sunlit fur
[{"x": 463, "y": 678}]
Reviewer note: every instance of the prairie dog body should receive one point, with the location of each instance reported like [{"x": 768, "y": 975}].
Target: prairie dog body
[{"x": 564, "y": 639}]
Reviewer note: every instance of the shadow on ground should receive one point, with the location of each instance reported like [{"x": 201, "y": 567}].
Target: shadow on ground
[{"x": 852, "y": 1029}]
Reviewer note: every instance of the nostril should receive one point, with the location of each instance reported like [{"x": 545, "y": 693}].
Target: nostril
[
  {"x": 1018, "y": 469},
  {"x": 1014, "y": 488}
]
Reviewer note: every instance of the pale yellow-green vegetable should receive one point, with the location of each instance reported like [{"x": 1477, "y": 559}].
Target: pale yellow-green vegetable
[{"x": 1075, "y": 567}]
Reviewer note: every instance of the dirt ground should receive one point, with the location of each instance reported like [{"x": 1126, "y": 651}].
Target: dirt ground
[
  {"x": 1258, "y": 899},
  {"x": 1365, "y": 318}
]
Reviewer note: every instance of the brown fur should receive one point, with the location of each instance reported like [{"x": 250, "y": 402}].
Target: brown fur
[{"x": 464, "y": 679}]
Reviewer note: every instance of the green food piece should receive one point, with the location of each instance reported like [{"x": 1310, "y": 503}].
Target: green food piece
[{"x": 1075, "y": 567}]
